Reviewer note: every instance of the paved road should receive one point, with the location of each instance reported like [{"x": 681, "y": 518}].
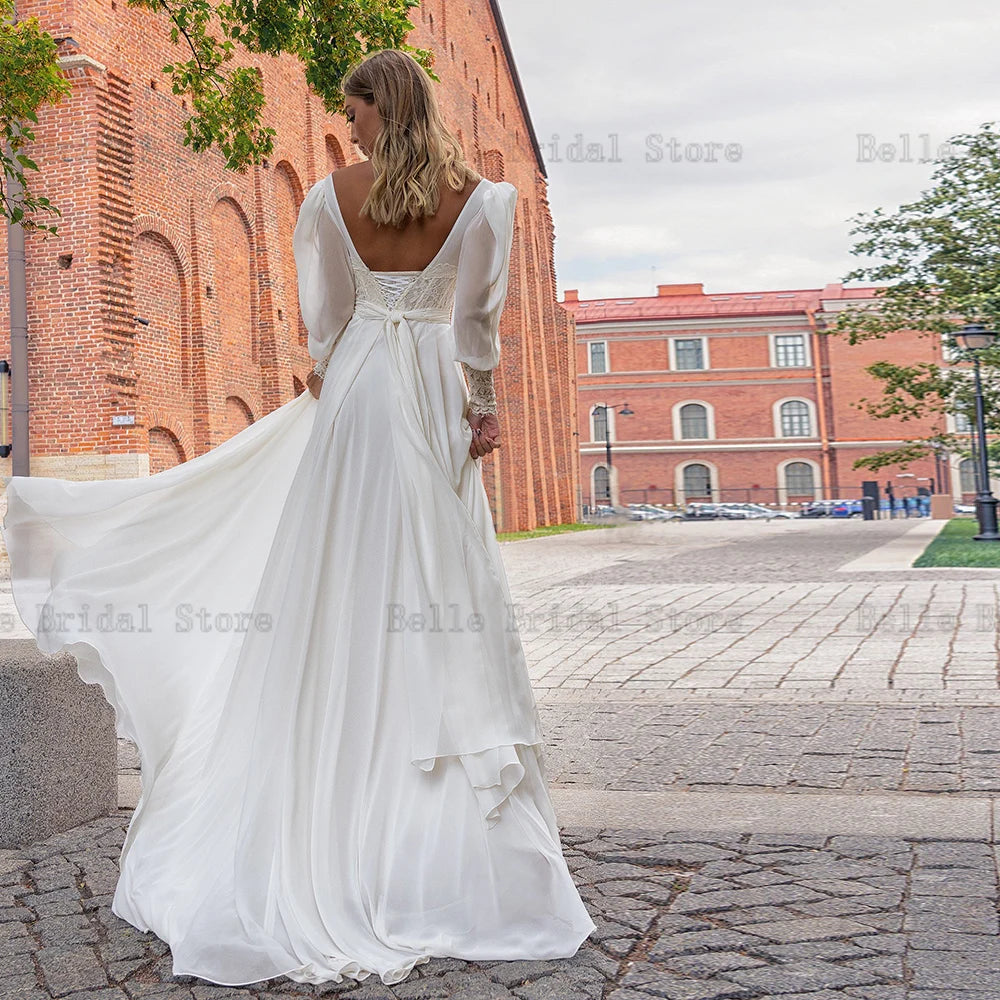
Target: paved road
[
  {"x": 679, "y": 916},
  {"x": 706, "y": 664}
]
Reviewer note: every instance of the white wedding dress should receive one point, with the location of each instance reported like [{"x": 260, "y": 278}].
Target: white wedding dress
[{"x": 307, "y": 632}]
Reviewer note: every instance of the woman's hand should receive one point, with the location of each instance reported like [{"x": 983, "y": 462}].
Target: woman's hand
[
  {"x": 314, "y": 384},
  {"x": 485, "y": 433}
]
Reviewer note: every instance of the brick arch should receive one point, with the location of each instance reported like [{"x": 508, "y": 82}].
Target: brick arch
[
  {"x": 162, "y": 291},
  {"x": 234, "y": 276},
  {"x": 288, "y": 193},
  {"x": 149, "y": 223},
  {"x": 237, "y": 413},
  {"x": 227, "y": 191},
  {"x": 493, "y": 165},
  {"x": 335, "y": 156},
  {"x": 284, "y": 164},
  {"x": 156, "y": 419}
]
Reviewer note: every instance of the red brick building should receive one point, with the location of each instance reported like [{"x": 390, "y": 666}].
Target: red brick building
[
  {"x": 739, "y": 396},
  {"x": 164, "y": 316}
]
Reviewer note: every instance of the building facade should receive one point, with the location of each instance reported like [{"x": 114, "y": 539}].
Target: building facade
[
  {"x": 741, "y": 397},
  {"x": 164, "y": 316}
]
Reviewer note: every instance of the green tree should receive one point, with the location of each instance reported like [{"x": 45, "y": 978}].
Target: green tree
[
  {"x": 327, "y": 36},
  {"x": 29, "y": 77},
  {"x": 937, "y": 260}
]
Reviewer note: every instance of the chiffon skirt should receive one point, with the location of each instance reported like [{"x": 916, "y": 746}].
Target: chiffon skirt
[{"x": 307, "y": 633}]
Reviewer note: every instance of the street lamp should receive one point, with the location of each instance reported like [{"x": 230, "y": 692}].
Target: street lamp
[
  {"x": 625, "y": 412},
  {"x": 975, "y": 338}
]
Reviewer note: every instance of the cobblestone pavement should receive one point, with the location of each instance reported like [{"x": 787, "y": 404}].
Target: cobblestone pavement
[
  {"x": 938, "y": 635},
  {"x": 636, "y": 746},
  {"x": 684, "y": 917},
  {"x": 703, "y": 657}
]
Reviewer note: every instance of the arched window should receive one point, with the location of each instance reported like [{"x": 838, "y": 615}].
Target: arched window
[
  {"x": 602, "y": 485},
  {"x": 599, "y": 416},
  {"x": 967, "y": 475},
  {"x": 799, "y": 479},
  {"x": 694, "y": 421},
  {"x": 795, "y": 419},
  {"x": 697, "y": 481}
]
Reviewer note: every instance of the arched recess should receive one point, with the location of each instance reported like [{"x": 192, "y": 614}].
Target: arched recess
[
  {"x": 238, "y": 416},
  {"x": 162, "y": 302},
  {"x": 165, "y": 450},
  {"x": 235, "y": 288},
  {"x": 335, "y": 158},
  {"x": 288, "y": 196}
]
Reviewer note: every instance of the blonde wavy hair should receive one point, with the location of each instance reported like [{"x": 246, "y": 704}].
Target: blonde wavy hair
[{"x": 414, "y": 149}]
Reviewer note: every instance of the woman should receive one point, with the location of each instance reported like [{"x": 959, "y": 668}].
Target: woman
[{"x": 311, "y": 642}]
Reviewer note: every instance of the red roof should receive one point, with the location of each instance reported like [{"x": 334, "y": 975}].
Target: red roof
[{"x": 670, "y": 306}]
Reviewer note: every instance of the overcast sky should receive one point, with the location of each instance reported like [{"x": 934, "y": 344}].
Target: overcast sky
[{"x": 784, "y": 87}]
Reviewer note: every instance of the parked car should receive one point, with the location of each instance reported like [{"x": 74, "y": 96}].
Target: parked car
[
  {"x": 756, "y": 510},
  {"x": 847, "y": 508},
  {"x": 701, "y": 511},
  {"x": 649, "y": 512},
  {"x": 819, "y": 508}
]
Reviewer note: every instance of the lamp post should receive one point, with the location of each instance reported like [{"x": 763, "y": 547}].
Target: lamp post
[
  {"x": 625, "y": 412},
  {"x": 975, "y": 338}
]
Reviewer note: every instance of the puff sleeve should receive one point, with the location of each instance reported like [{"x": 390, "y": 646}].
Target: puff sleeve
[
  {"x": 325, "y": 278},
  {"x": 481, "y": 281}
]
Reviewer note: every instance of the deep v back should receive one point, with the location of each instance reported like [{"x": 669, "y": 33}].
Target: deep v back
[{"x": 334, "y": 202}]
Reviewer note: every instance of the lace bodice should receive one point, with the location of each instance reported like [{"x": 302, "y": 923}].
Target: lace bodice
[
  {"x": 466, "y": 280},
  {"x": 393, "y": 284}
]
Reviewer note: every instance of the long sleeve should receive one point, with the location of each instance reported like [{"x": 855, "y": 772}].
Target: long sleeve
[
  {"x": 325, "y": 278},
  {"x": 482, "y": 392},
  {"x": 481, "y": 282}
]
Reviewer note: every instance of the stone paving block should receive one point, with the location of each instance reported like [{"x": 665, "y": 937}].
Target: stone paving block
[
  {"x": 805, "y": 929},
  {"x": 71, "y": 968}
]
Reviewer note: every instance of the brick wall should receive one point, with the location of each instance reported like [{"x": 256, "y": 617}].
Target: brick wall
[
  {"x": 202, "y": 257},
  {"x": 746, "y": 449}
]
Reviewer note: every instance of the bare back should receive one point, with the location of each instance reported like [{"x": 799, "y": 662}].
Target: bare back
[{"x": 383, "y": 248}]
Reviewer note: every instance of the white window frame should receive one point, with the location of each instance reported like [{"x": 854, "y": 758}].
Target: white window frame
[
  {"x": 713, "y": 478},
  {"x": 590, "y": 357},
  {"x": 675, "y": 417},
  {"x": 772, "y": 348},
  {"x": 776, "y": 418},
  {"x": 783, "y": 485},
  {"x": 706, "y": 360}
]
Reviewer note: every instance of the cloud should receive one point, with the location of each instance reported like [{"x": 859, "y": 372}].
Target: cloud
[{"x": 806, "y": 92}]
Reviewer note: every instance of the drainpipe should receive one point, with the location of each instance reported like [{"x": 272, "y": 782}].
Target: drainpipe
[
  {"x": 18, "y": 330},
  {"x": 820, "y": 405}
]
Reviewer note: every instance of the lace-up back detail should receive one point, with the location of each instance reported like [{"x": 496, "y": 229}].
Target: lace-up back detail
[
  {"x": 393, "y": 284},
  {"x": 431, "y": 288}
]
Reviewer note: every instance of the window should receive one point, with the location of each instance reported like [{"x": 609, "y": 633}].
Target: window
[
  {"x": 963, "y": 425},
  {"x": 598, "y": 357},
  {"x": 697, "y": 481},
  {"x": 694, "y": 421},
  {"x": 602, "y": 485},
  {"x": 789, "y": 350},
  {"x": 688, "y": 354},
  {"x": 795, "y": 419},
  {"x": 599, "y": 416},
  {"x": 799, "y": 479},
  {"x": 967, "y": 475}
]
